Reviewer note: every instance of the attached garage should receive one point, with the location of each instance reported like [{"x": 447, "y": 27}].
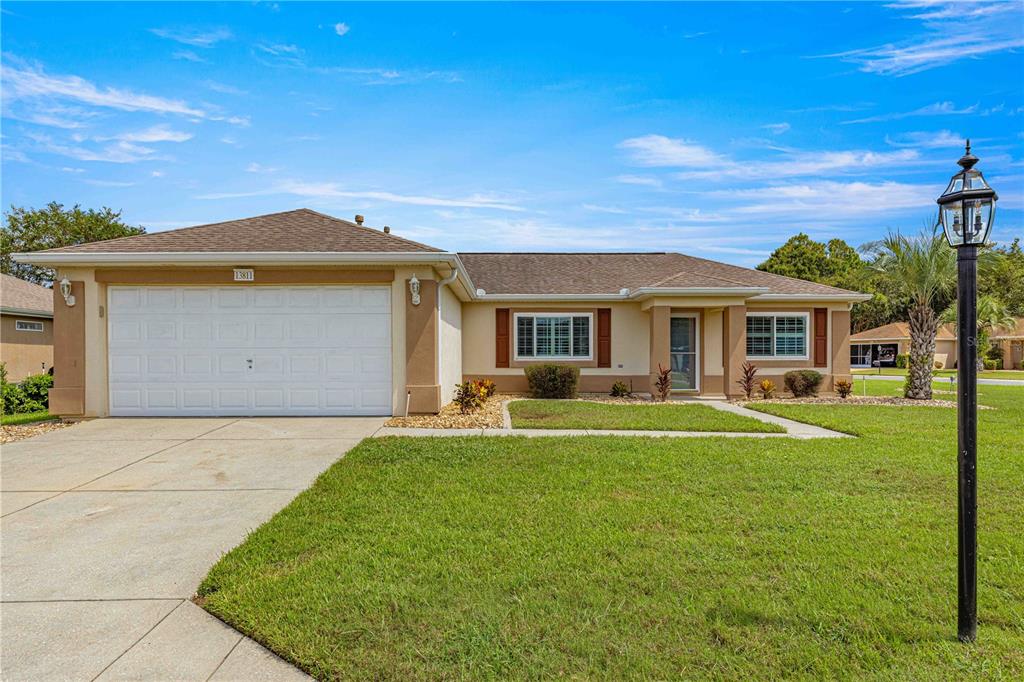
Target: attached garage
[{"x": 257, "y": 350}]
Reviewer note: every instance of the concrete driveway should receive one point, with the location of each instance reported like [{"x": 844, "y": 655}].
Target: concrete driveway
[{"x": 108, "y": 527}]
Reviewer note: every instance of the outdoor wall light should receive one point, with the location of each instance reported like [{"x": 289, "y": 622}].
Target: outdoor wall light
[
  {"x": 65, "y": 291},
  {"x": 414, "y": 290},
  {"x": 966, "y": 212}
]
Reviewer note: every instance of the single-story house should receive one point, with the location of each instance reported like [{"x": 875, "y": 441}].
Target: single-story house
[
  {"x": 26, "y": 328},
  {"x": 301, "y": 313},
  {"x": 879, "y": 347}
]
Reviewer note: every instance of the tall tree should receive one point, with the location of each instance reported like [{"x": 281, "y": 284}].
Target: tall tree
[
  {"x": 924, "y": 269},
  {"x": 992, "y": 315},
  {"x": 30, "y": 229},
  {"x": 1003, "y": 277}
]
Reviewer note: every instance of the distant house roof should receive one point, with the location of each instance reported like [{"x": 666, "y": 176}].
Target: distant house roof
[
  {"x": 301, "y": 230},
  {"x": 1014, "y": 332},
  {"x": 900, "y": 331},
  {"x": 19, "y": 296},
  {"x": 607, "y": 273}
]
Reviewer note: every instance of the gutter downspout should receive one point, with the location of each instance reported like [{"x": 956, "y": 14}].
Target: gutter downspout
[{"x": 441, "y": 284}]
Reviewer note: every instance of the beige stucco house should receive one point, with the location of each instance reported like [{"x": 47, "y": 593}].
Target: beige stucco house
[
  {"x": 26, "y": 328},
  {"x": 299, "y": 313},
  {"x": 879, "y": 346}
]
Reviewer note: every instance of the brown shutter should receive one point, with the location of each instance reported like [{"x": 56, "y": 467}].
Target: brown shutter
[
  {"x": 820, "y": 337},
  {"x": 604, "y": 337},
  {"x": 501, "y": 337}
]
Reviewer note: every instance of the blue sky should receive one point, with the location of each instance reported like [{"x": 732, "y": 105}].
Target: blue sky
[{"x": 717, "y": 130}]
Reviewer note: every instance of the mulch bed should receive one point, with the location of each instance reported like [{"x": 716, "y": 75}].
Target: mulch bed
[
  {"x": 9, "y": 434},
  {"x": 487, "y": 417}
]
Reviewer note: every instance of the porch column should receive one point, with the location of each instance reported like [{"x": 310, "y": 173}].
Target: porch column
[
  {"x": 734, "y": 332},
  {"x": 67, "y": 397},
  {"x": 421, "y": 380},
  {"x": 840, "y": 346},
  {"x": 660, "y": 348}
]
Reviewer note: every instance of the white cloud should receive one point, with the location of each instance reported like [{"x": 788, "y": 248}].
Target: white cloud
[
  {"x": 926, "y": 140},
  {"x": 259, "y": 168},
  {"x": 31, "y": 82},
  {"x": 658, "y": 150},
  {"x": 119, "y": 152},
  {"x": 188, "y": 56},
  {"x": 776, "y": 128},
  {"x": 332, "y": 190},
  {"x": 936, "y": 109},
  {"x": 952, "y": 31},
  {"x": 156, "y": 174},
  {"x": 279, "y": 49},
  {"x": 642, "y": 180},
  {"x": 341, "y": 28},
  {"x": 224, "y": 88},
  {"x": 194, "y": 37},
  {"x": 109, "y": 183},
  {"x": 826, "y": 199},
  {"x": 595, "y": 208},
  {"x": 157, "y": 133}
]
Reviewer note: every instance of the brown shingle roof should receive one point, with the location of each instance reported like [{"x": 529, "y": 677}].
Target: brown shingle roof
[
  {"x": 297, "y": 231},
  {"x": 17, "y": 294},
  {"x": 901, "y": 331},
  {"x": 607, "y": 273}
]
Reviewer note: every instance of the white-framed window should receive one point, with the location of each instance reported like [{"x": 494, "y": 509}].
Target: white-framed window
[
  {"x": 553, "y": 336},
  {"x": 28, "y": 326},
  {"x": 778, "y": 335}
]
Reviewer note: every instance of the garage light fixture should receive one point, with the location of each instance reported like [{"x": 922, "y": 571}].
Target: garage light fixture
[
  {"x": 414, "y": 290},
  {"x": 65, "y": 291}
]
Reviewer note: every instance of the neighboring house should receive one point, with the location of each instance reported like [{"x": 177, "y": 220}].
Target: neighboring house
[
  {"x": 878, "y": 347},
  {"x": 299, "y": 313},
  {"x": 26, "y": 327}
]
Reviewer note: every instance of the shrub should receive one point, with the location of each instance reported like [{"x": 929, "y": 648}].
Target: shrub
[
  {"x": 467, "y": 397},
  {"x": 903, "y": 360},
  {"x": 553, "y": 381},
  {"x": 15, "y": 401},
  {"x": 37, "y": 388},
  {"x": 844, "y": 388},
  {"x": 747, "y": 379},
  {"x": 993, "y": 364},
  {"x": 802, "y": 382},
  {"x": 994, "y": 352},
  {"x": 663, "y": 384},
  {"x": 620, "y": 390},
  {"x": 767, "y": 387},
  {"x": 485, "y": 387}
]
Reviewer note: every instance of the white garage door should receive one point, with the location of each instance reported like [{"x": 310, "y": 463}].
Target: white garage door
[{"x": 237, "y": 351}]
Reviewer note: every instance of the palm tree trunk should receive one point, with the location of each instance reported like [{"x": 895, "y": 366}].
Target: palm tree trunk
[{"x": 923, "y": 326}]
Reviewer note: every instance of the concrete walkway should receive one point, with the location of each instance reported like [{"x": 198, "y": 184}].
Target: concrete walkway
[
  {"x": 108, "y": 527},
  {"x": 794, "y": 429},
  {"x": 981, "y": 381}
]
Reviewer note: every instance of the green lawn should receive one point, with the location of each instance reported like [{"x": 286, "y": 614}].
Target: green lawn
[
  {"x": 25, "y": 418},
  {"x": 614, "y": 557},
  {"x": 575, "y": 414},
  {"x": 946, "y": 373}
]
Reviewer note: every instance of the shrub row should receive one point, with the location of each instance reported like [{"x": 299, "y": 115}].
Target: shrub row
[{"x": 31, "y": 395}]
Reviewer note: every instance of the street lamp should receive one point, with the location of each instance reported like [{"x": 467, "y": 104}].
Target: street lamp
[{"x": 966, "y": 211}]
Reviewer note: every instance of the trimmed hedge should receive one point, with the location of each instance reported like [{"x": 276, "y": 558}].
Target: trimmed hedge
[
  {"x": 802, "y": 382},
  {"x": 553, "y": 381}
]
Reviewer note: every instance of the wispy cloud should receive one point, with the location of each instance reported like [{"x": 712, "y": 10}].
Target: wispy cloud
[
  {"x": 224, "y": 88},
  {"x": 333, "y": 190},
  {"x": 926, "y": 140},
  {"x": 108, "y": 183},
  {"x": 642, "y": 180},
  {"x": 157, "y": 133},
  {"x": 936, "y": 109},
  {"x": 951, "y": 31},
  {"x": 26, "y": 81},
  {"x": 596, "y": 208},
  {"x": 837, "y": 200},
  {"x": 188, "y": 56},
  {"x": 119, "y": 152},
  {"x": 259, "y": 168},
  {"x": 846, "y": 106},
  {"x": 701, "y": 163},
  {"x": 776, "y": 128},
  {"x": 341, "y": 28},
  {"x": 194, "y": 36}
]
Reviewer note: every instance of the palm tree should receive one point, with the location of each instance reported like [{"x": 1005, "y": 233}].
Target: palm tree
[
  {"x": 992, "y": 314},
  {"x": 923, "y": 268}
]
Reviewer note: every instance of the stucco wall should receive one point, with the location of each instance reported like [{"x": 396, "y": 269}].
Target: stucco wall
[
  {"x": 451, "y": 344},
  {"x": 25, "y": 353}
]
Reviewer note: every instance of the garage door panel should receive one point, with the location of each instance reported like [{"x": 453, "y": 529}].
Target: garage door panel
[{"x": 187, "y": 350}]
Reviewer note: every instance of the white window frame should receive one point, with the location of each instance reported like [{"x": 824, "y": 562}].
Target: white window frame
[
  {"x": 545, "y": 358},
  {"x": 18, "y": 326},
  {"x": 773, "y": 315}
]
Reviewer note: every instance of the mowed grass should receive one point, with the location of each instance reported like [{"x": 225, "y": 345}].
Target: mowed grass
[
  {"x": 618, "y": 557},
  {"x": 25, "y": 418},
  {"x": 577, "y": 414},
  {"x": 946, "y": 373}
]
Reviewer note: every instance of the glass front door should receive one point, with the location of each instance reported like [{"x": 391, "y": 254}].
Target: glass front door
[{"x": 683, "y": 349}]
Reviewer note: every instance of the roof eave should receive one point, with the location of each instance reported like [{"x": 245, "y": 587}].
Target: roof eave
[
  {"x": 26, "y": 312},
  {"x": 840, "y": 298}
]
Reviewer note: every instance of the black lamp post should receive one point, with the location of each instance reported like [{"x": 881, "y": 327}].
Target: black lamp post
[{"x": 966, "y": 211}]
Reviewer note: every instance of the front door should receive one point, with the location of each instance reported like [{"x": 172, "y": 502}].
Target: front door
[{"x": 684, "y": 355}]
